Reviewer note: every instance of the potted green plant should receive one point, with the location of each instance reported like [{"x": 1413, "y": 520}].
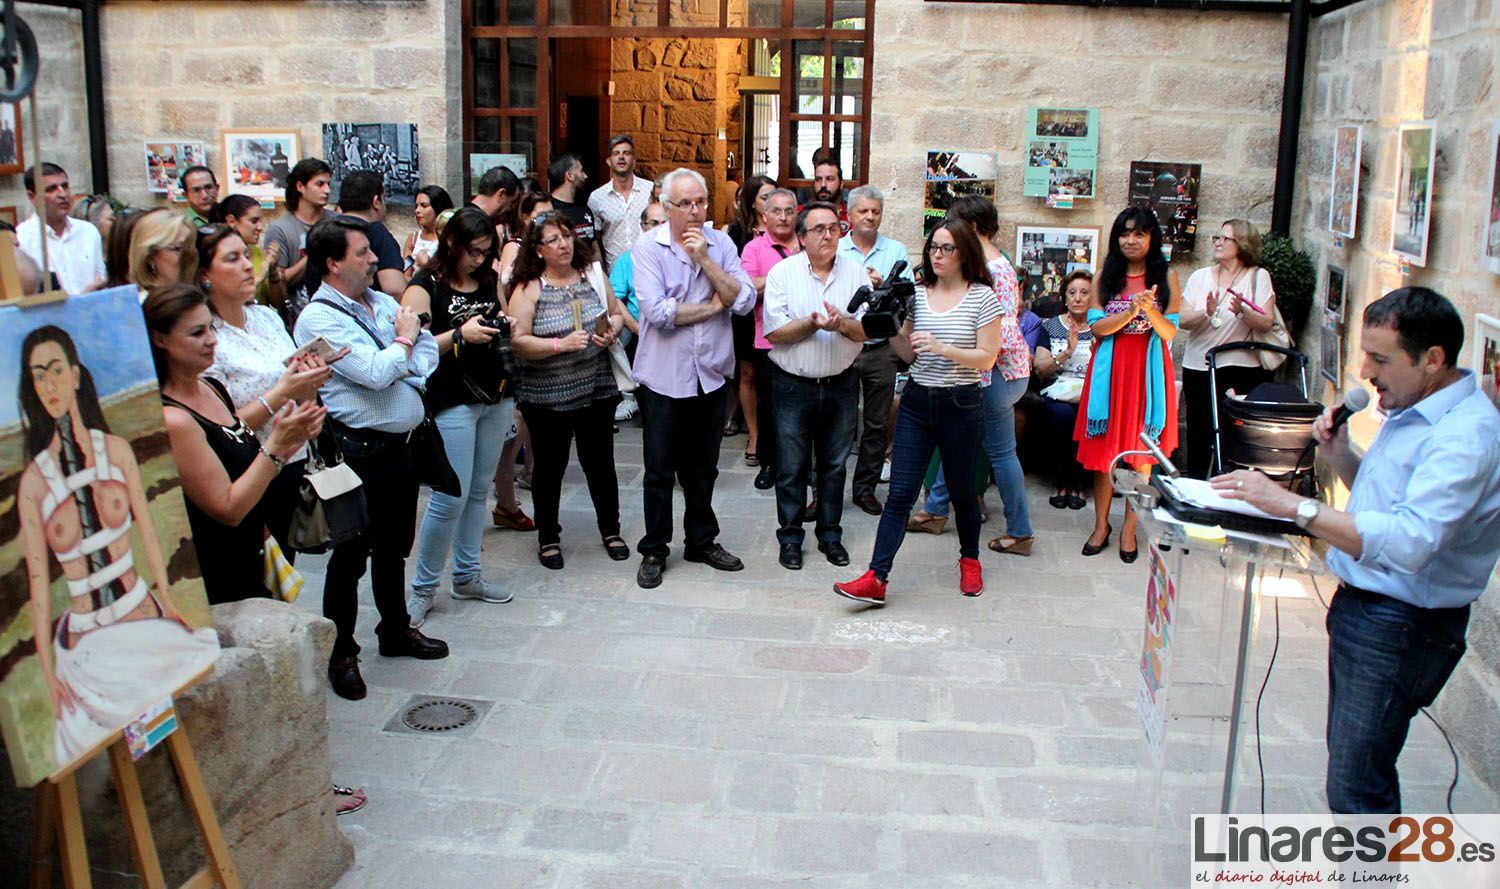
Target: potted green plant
[{"x": 1295, "y": 280}]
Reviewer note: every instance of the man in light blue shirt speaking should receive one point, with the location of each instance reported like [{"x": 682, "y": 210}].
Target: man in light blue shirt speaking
[{"x": 1413, "y": 549}]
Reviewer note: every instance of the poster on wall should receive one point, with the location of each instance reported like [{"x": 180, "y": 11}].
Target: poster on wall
[
  {"x": 1343, "y": 193},
  {"x": 1170, "y": 190},
  {"x": 387, "y": 148},
  {"x": 1491, "y": 250},
  {"x": 1334, "y": 298},
  {"x": 256, "y": 162},
  {"x": 481, "y": 162},
  {"x": 1062, "y": 152},
  {"x": 1332, "y": 348},
  {"x": 1415, "y": 152},
  {"x": 165, "y": 162},
  {"x": 951, "y": 175},
  {"x": 1486, "y": 361},
  {"x": 12, "y": 147},
  {"x": 1051, "y": 253},
  {"x": 102, "y": 610}
]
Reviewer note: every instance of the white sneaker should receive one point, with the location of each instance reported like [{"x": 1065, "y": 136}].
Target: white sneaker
[
  {"x": 625, "y": 409},
  {"x": 478, "y": 589},
  {"x": 885, "y": 473},
  {"x": 417, "y": 606}
]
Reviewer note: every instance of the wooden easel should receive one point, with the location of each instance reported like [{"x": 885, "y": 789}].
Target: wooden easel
[
  {"x": 10, "y": 279},
  {"x": 59, "y": 818}
]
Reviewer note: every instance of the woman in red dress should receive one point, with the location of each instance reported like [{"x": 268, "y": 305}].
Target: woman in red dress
[{"x": 1130, "y": 386}]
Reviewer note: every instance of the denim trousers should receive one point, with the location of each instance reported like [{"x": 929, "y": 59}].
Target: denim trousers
[
  {"x": 950, "y": 419},
  {"x": 815, "y": 430},
  {"x": 680, "y": 442},
  {"x": 1000, "y": 399},
  {"x": 473, "y": 436},
  {"x": 1386, "y": 660}
]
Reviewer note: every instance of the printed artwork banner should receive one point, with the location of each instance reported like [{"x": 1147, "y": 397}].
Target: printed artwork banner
[
  {"x": 1062, "y": 152},
  {"x": 390, "y": 149},
  {"x": 1170, "y": 190},
  {"x": 951, "y": 175},
  {"x": 102, "y": 609}
]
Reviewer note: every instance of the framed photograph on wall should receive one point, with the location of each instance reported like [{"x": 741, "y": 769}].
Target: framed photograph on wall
[
  {"x": 165, "y": 162},
  {"x": 387, "y": 148},
  {"x": 1332, "y": 349},
  {"x": 1415, "y": 152},
  {"x": 1491, "y": 251},
  {"x": 256, "y": 162},
  {"x": 951, "y": 175},
  {"x": 1343, "y": 203},
  {"x": 1050, "y": 253},
  {"x": 12, "y": 152},
  {"x": 1333, "y": 299},
  {"x": 516, "y": 159},
  {"x": 1486, "y": 362}
]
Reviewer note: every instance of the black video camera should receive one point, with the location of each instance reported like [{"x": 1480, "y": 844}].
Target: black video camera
[{"x": 889, "y": 304}]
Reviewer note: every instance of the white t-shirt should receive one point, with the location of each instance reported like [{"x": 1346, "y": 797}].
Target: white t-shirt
[
  {"x": 77, "y": 257},
  {"x": 959, "y": 326},
  {"x": 1234, "y": 329}
]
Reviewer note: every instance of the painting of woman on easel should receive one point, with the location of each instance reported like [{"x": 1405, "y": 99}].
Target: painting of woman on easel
[{"x": 121, "y": 645}]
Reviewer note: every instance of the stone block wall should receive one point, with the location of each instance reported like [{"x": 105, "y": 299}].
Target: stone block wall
[
  {"x": 179, "y": 71},
  {"x": 1170, "y": 85},
  {"x": 1379, "y": 64}
]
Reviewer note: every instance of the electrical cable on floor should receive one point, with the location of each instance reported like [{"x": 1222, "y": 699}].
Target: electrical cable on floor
[{"x": 1275, "y": 647}]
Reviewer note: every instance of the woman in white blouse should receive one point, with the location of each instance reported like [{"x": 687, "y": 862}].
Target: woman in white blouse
[
  {"x": 250, "y": 357},
  {"x": 1226, "y": 302}
]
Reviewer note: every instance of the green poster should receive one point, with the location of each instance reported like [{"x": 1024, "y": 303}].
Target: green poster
[{"x": 1062, "y": 152}]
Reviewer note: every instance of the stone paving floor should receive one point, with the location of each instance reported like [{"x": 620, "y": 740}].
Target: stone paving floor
[{"x": 753, "y": 730}]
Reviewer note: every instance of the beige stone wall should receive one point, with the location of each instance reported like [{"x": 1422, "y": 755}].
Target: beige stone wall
[
  {"x": 1379, "y": 64},
  {"x": 178, "y": 71},
  {"x": 1170, "y": 86}
]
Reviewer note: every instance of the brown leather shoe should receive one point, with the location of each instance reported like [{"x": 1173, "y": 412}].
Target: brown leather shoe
[
  {"x": 411, "y": 643},
  {"x": 868, "y": 503},
  {"x": 343, "y": 675}
]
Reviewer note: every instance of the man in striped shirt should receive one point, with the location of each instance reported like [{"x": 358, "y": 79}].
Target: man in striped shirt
[{"x": 813, "y": 347}]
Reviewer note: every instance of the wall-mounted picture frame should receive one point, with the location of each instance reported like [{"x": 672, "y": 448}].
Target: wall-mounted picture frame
[
  {"x": 256, "y": 162},
  {"x": 1049, "y": 253},
  {"x": 1415, "y": 152},
  {"x": 1343, "y": 194},
  {"x": 390, "y": 149},
  {"x": 1486, "y": 360},
  {"x": 1491, "y": 248},
  {"x": 1333, "y": 297},
  {"x": 12, "y": 146},
  {"x": 1332, "y": 348},
  {"x": 514, "y": 157},
  {"x": 165, "y": 162},
  {"x": 951, "y": 175}
]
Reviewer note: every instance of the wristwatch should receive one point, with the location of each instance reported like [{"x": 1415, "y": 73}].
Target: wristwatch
[{"x": 1308, "y": 510}]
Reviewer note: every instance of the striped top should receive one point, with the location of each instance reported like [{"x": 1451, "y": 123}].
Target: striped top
[
  {"x": 959, "y": 326},
  {"x": 793, "y": 292},
  {"x": 568, "y": 380}
]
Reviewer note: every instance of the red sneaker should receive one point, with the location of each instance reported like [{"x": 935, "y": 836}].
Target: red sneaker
[
  {"x": 970, "y": 577},
  {"x": 868, "y": 589}
]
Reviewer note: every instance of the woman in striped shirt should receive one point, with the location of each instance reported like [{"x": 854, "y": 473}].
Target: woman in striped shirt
[{"x": 953, "y": 336}]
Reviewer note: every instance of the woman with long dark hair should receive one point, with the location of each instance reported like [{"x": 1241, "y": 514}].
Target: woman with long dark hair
[
  {"x": 954, "y": 336},
  {"x": 1130, "y": 387},
  {"x": 430, "y": 203},
  {"x": 243, "y": 214},
  {"x": 470, "y": 398},
  {"x": 81, "y": 501},
  {"x": 564, "y": 315},
  {"x": 749, "y": 222}
]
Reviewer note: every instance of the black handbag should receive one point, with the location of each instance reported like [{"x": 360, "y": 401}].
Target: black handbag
[
  {"x": 330, "y": 507},
  {"x": 430, "y": 459}
]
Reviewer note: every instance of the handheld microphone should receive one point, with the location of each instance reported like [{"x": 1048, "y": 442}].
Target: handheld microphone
[{"x": 1354, "y": 402}]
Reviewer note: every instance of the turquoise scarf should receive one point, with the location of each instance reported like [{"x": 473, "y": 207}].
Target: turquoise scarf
[{"x": 1100, "y": 379}]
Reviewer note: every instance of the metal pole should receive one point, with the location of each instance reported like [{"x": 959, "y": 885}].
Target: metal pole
[
  {"x": 93, "y": 86},
  {"x": 1291, "y": 117},
  {"x": 1238, "y": 704}
]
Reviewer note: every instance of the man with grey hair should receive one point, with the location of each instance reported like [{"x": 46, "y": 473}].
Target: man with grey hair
[
  {"x": 877, "y": 364},
  {"x": 687, "y": 279}
]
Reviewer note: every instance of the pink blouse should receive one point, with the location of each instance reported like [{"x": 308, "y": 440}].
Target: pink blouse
[{"x": 1014, "y": 360}]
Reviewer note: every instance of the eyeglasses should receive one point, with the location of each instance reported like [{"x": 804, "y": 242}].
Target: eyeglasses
[
  {"x": 1220, "y": 239},
  {"x": 200, "y": 189},
  {"x": 782, "y": 211},
  {"x": 942, "y": 249},
  {"x": 689, "y": 205},
  {"x": 477, "y": 253},
  {"x": 648, "y": 224},
  {"x": 554, "y": 241},
  {"x": 823, "y": 231}
]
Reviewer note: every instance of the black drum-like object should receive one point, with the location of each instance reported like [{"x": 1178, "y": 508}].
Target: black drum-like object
[{"x": 1266, "y": 432}]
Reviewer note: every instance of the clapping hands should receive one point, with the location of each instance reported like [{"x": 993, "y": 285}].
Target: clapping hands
[{"x": 830, "y": 319}]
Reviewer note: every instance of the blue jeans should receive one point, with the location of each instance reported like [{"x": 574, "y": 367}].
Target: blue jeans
[
  {"x": 473, "y": 435},
  {"x": 950, "y": 419},
  {"x": 815, "y": 425},
  {"x": 1000, "y": 399},
  {"x": 1386, "y": 659}
]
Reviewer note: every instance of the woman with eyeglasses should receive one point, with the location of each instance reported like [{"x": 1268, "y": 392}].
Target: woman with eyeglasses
[
  {"x": 470, "y": 398},
  {"x": 430, "y": 203},
  {"x": 952, "y": 338},
  {"x": 563, "y": 317},
  {"x": 161, "y": 251},
  {"x": 1227, "y": 302},
  {"x": 249, "y": 361},
  {"x": 749, "y": 223},
  {"x": 1003, "y": 386},
  {"x": 1130, "y": 387},
  {"x": 243, "y": 214}
]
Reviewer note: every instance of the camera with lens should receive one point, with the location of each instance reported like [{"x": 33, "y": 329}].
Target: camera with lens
[
  {"x": 500, "y": 343},
  {"x": 889, "y": 304}
]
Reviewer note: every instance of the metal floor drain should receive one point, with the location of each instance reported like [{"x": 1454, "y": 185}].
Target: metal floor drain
[{"x": 433, "y": 715}]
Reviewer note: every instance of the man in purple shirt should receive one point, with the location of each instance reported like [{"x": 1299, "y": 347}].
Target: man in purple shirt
[{"x": 687, "y": 279}]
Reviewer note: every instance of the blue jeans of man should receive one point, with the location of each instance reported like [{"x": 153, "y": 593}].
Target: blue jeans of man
[
  {"x": 1386, "y": 660},
  {"x": 473, "y": 436},
  {"x": 950, "y": 419},
  {"x": 1000, "y": 399},
  {"x": 815, "y": 425}
]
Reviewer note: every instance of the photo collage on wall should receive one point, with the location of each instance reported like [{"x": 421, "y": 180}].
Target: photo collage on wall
[
  {"x": 1062, "y": 154},
  {"x": 1170, "y": 190},
  {"x": 1048, "y": 254},
  {"x": 951, "y": 175},
  {"x": 165, "y": 162}
]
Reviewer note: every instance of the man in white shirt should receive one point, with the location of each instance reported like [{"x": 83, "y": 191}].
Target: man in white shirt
[
  {"x": 813, "y": 348},
  {"x": 75, "y": 252},
  {"x": 617, "y": 205}
]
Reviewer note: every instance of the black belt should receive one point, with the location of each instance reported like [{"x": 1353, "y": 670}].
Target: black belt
[
  {"x": 816, "y": 381},
  {"x": 870, "y": 347},
  {"x": 372, "y": 436}
]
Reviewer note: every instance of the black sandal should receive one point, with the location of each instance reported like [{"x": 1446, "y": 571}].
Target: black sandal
[
  {"x": 550, "y": 555},
  {"x": 615, "y": 546}
]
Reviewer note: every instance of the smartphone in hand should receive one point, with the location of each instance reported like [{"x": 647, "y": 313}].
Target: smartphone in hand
[{"x": 319, "y": 347}]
